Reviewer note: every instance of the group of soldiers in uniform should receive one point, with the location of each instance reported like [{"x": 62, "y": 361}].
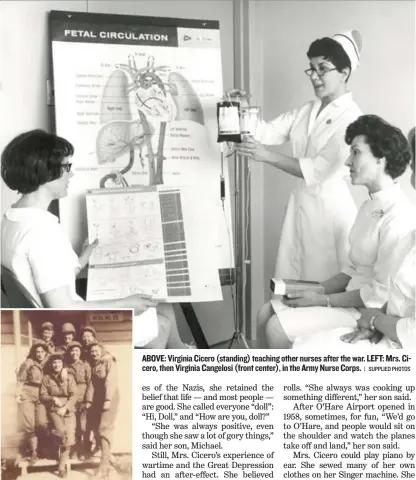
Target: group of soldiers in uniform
[{"x": 68, "y": 394}]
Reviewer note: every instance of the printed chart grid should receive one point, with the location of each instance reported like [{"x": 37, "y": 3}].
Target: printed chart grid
[{"x": 176, "y": 259}]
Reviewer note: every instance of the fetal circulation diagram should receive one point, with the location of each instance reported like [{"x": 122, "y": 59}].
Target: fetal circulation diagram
[{"x": 156, "y": 102}]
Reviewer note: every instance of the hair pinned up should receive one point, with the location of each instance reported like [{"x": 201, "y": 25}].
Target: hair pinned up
[{"x": 384, "y": 140}]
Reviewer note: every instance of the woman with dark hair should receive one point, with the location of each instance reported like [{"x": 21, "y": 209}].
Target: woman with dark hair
[
  {"x": 35, "y": 246},
  {"x": 32, "y": 413},
  {"x": 88, "y": 336},
  {"x": 59, "y": 394},
  {"x": 412, "y": 135},
  {"x": 47, "y": 333},
  {"x": 393, "y": 325},
  {"x": 81, "y": 371},
  {"x": 68, "y": 333},
  {"x": 321, "y": 210},
  {"x": 379, "y": 154}
]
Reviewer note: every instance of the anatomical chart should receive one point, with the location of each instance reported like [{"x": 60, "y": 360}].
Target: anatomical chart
[
  {"x": 136, "y": 96},
  {"x": 145, "y": 246}
]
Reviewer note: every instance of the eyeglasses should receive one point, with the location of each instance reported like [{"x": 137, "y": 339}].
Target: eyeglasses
[
  {"x": 66, "y": 166},
  {"x": 321, "y": 72}
]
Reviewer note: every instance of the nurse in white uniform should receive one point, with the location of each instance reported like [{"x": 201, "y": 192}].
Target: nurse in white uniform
[
  {"x": 391, "y": 327},
  {"x": 35, "y": 247},
  {"x": 379, "y": 155},
  {"x": 394, "y": 325},
  {"x": 321, "y": 210}
]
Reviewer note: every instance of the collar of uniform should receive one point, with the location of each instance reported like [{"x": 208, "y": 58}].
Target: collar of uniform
[
  {"x": 387, "y": 195},
  {"x": 30, "y": 214},
  {"x": 342, "y": 100},
  {"x": 41, "y": 364},
  {"x": 57, "y": 376}
]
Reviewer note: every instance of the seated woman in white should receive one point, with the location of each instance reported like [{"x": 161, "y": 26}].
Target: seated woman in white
[
  {"x": 393, "y": 326},
  {"x": 36, "y": 248},
  {"x": 380, "y": 153}
]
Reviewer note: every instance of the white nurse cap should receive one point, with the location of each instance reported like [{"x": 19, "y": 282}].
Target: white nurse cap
[{"x": 351, "y": 42}]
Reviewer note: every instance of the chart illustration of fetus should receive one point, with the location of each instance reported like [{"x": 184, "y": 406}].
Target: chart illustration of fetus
[{"x": 156, "y": 104}]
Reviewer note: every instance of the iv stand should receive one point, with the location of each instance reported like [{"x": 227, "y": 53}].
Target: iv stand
[
  {"x": 241, "y": 197},
  {"x": 242, "y": 239}
]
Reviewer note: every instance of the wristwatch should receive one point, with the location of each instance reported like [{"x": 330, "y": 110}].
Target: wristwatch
[
  {"x": 372, "y": 320},
  {"x": 328, "y": 302}
]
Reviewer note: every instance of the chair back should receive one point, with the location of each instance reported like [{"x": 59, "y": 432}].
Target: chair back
[
  {"x": 16, "y": 294},
  {"x": 4, "y": 302}
]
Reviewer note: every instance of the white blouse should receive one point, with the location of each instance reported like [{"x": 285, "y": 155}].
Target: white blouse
[
  {"x": 402, "y": 291},
  {"x": 36, "y": 248},
  {"x": 381, "y": 222}
]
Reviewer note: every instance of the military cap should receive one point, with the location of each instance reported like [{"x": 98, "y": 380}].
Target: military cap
[
  {"x": 68, "y": 328},
  {"x": 56, "y": 356},
  {"x": 88, "y": 328},
  {"x": 74, "y": 344},
  {"x": 46, "y": 326}
]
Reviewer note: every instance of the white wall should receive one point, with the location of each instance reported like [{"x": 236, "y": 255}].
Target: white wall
[
  {"x": 25, "y": 67},
  {"x": 24, "y": 54},
  {"x": 384, "y": 85}
]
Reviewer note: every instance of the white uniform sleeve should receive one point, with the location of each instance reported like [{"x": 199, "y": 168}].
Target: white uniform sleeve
[
  {"x": 330, "y": 161},
  {"x": 52, "y": 259},
  {"x": 278, "y": 130},
  {"x": 349, "y": 269},
  {"x": 406, "y": 332},
  {"x": 375, "y": 295}
]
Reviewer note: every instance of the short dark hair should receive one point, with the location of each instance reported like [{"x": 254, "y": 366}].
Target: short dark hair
[
  {"x": 384, "y": 140},
  {"x": 411, "y": 138},
  {"x": 331, "y": 50},
  {"x": 35, "y": 346},
  {"x": 32, "y": 159}
]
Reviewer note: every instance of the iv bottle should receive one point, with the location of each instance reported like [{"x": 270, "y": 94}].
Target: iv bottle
[
  {"x": 228, "y": 119},
  {"x": 249, "y": 117}
]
